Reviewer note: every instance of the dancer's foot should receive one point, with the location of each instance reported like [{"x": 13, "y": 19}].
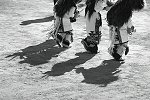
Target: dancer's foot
[
  {"x": 65, "y": 43},
  {"x": 89, "y": 46},
  {"x": 59, "y": 40}
]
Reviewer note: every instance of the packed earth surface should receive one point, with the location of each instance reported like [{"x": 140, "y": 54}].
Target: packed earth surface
[{"x": 35, "y": 68}]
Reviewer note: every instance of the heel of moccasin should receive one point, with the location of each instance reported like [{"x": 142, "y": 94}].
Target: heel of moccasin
[{"x": 65, "y": 43}]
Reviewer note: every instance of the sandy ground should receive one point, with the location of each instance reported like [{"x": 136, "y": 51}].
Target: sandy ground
[{"x": 42, "y": 71}]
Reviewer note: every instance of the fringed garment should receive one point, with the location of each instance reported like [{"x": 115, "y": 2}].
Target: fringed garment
[
  {"x": 119, "y": 21},
  {"x": 93, "y": 26},
  {"x": 119, "y": 39},
  {"x": 93, "y": 29},
  {"x": 64, "y": 32}
]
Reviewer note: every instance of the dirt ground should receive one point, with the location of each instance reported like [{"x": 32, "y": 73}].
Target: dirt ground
[{"x": 32, "y": 68}]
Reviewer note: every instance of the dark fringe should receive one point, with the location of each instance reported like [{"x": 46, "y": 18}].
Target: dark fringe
[
  {"x": 63, "y": 6},
  {"x": 122, "y": 10},
  {"x": 90, "y": 5},
  {"x": 55, "y": 1}
]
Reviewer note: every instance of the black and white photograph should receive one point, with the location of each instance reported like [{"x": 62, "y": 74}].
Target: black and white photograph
[{"x": 74, "y": 49}]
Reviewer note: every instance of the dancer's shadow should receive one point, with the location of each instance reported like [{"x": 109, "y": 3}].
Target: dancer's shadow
[
  {"x": 46, "y": 19},
  {"x": 41, "y": 20},
  {"x": 63, "y": 67},
  {"x": 103, "y": 74},
  {"x": 38, "y": 54}
]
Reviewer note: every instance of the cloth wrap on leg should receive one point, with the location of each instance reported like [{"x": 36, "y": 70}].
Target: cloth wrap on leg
[{"x": 119, "y": 44}]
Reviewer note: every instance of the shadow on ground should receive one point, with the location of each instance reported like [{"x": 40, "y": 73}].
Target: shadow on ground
[
  {"x": 63, "y": 67},
  {"x": 38, "y": 54},
  {"x": 46, "y": 19},
  {"x": 103, "y": 74}
]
